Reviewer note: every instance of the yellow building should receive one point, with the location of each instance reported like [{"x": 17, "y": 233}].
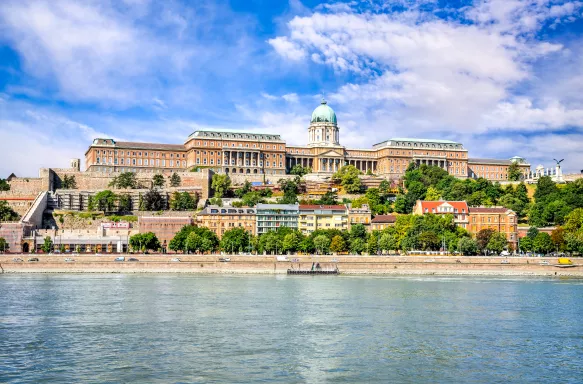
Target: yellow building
[
  {"x": 221, "y": 219},
  {"x": 313, "y": 217},
  {"x": 381, "y": 222},
  {"x": 360, "y": 215}
]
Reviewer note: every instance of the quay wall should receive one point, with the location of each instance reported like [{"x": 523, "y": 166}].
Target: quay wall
[{"x": 268, "y": 265}]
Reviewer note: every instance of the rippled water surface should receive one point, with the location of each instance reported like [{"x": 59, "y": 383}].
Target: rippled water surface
[{"x": 175, "y": 328}]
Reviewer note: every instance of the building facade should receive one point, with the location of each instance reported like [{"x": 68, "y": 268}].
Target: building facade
[
  {"x": 272, "y": 216},
  {"x": 360, "y": 215},
  {"x": 315, "y": 217},
  {"x": 500, "y": 219},
  {"x": 252, "y": 153},
  {"x": 381, "y": 222},
  {"x": 221, "y": 219},
  {"x": 459, "y": 210}
]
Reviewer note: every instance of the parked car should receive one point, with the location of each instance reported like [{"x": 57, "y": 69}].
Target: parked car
[
  {"x": 505, "y": 262},
  {"x": 17, "y": 260},
  {"x": 544, "y": 262},
  {"x": 175, "y": 259},
  {"x": 133, "y": 259},
  {"x": 33, "y": 259},
  {"x": 224, "y": 259},
  {"x": 69, "y": 260},
  {"x": 120, "y": 258}
]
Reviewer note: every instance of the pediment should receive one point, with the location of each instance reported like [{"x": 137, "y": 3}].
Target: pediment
[{"x": 331, "y": 153}]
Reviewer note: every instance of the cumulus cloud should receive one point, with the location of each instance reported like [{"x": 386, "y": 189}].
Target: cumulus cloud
[{"x": 431, "y": 77}]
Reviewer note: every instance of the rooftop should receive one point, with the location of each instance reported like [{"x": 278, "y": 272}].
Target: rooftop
[
  {"x": 384, "y": 219},
  {"x": 288, "y": 207},
  {"x": 138, "y": 145},
  {"x": 235, "y": 135},
  {"x": 328, "y": 207},
  {"x": 474, "y": 160},
  {"x": 489, "y": 210}
]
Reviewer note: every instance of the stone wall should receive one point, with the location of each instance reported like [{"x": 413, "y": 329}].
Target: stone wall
[
  {"x": 97, "y": 181},
  {"x": 240, "y": 178}
]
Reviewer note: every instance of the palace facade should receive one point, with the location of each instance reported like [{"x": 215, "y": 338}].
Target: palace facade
[{"x": 251, "y": 153}]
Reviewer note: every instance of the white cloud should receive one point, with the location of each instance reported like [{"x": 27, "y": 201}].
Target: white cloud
[
  {"x": 433, "y": 77},
  {"x": 284, "y": 47},
  {"x": 291, "y": 97}
]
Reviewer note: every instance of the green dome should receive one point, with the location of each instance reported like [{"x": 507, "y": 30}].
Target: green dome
[{"x": 323, "y": 114}]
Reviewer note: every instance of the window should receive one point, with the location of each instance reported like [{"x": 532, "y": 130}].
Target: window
[
  {"x": 98, "y": 160},
  {"x": 146, "y": 154},
  {"x": 133, "y": 161},
  {"x": 146, "y": 161},
  {"x": 163, "y": 162},
  {"x": 171, "y": 163},
  {"x": 139, "y": 161}
]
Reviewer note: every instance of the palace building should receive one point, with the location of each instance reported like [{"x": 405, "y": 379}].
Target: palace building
[{"x": 253, "y": 153}]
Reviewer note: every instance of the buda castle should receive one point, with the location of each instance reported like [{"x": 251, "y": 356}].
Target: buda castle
[{"x": 255, "y": 154}]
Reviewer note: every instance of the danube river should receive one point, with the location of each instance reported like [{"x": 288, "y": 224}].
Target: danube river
[{"x": 352, "y": 329}]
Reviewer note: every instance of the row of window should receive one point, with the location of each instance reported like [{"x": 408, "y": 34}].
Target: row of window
[
  {"x": 218, "y": 144},
  {"x": 151, "y": 162},
  {"x": 138, "y": 153}
]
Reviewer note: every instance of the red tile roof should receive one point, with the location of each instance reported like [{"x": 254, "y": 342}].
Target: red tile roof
[
  {"x": 308, "y": 206},
  {"x": 489, "y": 210},
  {"x": 430, "y": 205},
  {"x": 384, "y": 219}
]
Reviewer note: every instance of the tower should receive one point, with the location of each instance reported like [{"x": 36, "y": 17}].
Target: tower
[{"x": 323, "y": 130}]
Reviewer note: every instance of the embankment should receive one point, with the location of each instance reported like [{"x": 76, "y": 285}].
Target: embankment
[{"x": 373, "y": 265}]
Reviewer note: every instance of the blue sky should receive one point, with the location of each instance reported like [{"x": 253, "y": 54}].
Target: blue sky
[{"x": 504, "y": 77}]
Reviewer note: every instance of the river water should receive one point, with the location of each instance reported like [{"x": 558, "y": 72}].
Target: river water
[{"x": 247, "y": 329}]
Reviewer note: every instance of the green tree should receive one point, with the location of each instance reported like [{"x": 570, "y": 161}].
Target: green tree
[
  {"x": 47, "y": 246},
  {"x": 321, "y": 243},
  {"x": 7, "y": 213},
  {"x": 216, "y": 201},
  {"x": 144, "y": 242},
  {"x": 514, "y": 172},
  {"x": 291, "y": 242},
  {"x": 270, "y": 242},
  {"x": 574, "y": 220},
  {"x": 532, "y": 232},
  {"x": 546, "y": 189},
  {"x": 401, "y": 205},
  {"x": 306, "y": 245},
  {"x": 291, "y": 189},
  {"x": 483, "y": 238},
  {"x": 125, "y": 180},
  {"x": 526, "y": 244},
  {"x": 497, "y": 243},
  {"x": 153, "y": 201},
  {"x": 300, "y": 170},
  {"x": 124, "y": 203},
  {"x": 220, "y": 184},
  {"x": 105, "y": 201},
  {"x": 183, "y": 201},
  {"x": 384, "y": 188},
  {"x": 347, "y": 176},
  {"x": 543, "y": 243},
  {"x": 201, "y": 239},
  {"x": 245, "y": 188},
  {"x": 3, "y": 245},
  {"x": 178, "y": 242},
  {"x": 175, "y": 180},
  {"x": 432, "y": 194},
  {"x": 329, "y": 198},
  {"x": 337, "y": 244},
  {"x": 428, "y": 240},
  {"x": 558, "y": 238},
  {"x": 69, "y": 182},
  {"x": 358, "y": 231},
  {"x": 251, "y": 199},
  {"x": 556, "y": 211},
  {"x": 388, "y": 242},
  {"x": 158, "y": 181},
  {"x": 357, "y": 246},
  {"x": 236, "y": 239},
  {"x": 467, "y": 246},
  {"x": 4, "y": 186}
]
